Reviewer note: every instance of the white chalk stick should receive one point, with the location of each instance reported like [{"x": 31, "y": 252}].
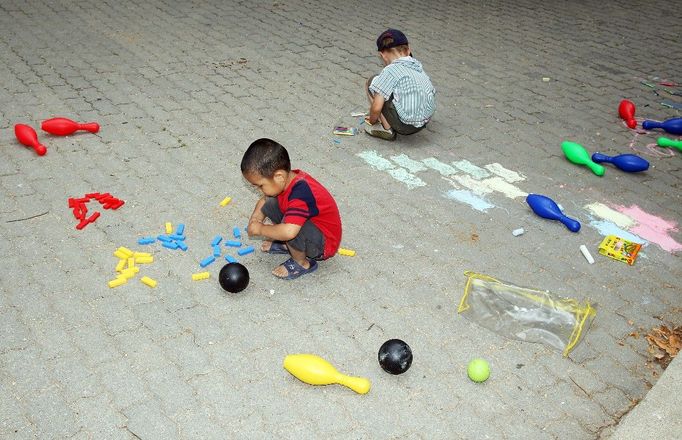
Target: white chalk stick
[
  {"x": 517, "y": 232},
  {"x": 586, "y": 254}
]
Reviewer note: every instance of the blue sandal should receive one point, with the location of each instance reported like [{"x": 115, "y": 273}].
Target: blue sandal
[
  {"x": 295, "y": 270},
  {"x": 278, "y": 247}
]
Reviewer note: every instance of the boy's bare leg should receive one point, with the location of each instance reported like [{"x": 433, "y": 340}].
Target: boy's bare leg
[
  {"x": 370, "y": 97},
  {"x": 265, "y": 246},
  {"x": 298, "y": 256}
]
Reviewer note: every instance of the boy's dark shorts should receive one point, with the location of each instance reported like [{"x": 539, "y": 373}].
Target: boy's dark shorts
[
  {"x": 391, "y": 115},
  {"x": 309, "y": 238}
]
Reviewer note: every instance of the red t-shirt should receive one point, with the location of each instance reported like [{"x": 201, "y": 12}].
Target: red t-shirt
[{"x": 306, "y": 199}]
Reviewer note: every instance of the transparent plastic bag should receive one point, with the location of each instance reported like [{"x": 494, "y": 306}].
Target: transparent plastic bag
[{"x": 525, "y": 314}]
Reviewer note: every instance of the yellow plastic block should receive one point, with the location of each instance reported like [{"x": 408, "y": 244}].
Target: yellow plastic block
[
  {"x": 144, "y": 259},
  {"x": 169, "y": 228},
  {"x": 131, "y": 262},
  {"x": 148, "y": 281},
  {"x": 124, "y": 250},
  {"x": 121, "y": 264},
  {"x": 201, "y": 276},
  {"x": 130, "y": 272},
  {"x": 225, "y": 201},
  {"x": 141, "y": 254},
  {"x": 118, "y": 281},
  {"x": 346, "y": 252},
  {"x": 122, "y": 254}
]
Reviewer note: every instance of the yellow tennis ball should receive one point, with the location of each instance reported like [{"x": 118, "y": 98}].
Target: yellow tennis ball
[{"x": 478, "y": 370}]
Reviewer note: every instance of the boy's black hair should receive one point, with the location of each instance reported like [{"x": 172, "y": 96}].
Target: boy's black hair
[{"x": 265, "y": 156}]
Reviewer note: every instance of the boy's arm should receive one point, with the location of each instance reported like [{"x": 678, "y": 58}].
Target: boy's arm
[
  {"x": 280, "y": 232},
  {"x": 257, "y": 215},
  {"x": 375, "y": 108}
]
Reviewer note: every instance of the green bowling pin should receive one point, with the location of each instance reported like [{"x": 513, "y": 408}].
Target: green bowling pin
[
  {"x": 665, "y": 142},
  {"x": 579, "y": 155}
]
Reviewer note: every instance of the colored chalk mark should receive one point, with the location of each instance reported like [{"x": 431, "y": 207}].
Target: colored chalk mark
[
  {"x": 469, "y": 198},
  {"x": 383, "y": 164},
  {"x": 652, "y": 228},
  {"x": 443, "y": 168},
  {"x": 413, "y": 166},
  {"x": 605, "y": 227},
  {"x": 475, "y": 171},
  {"x": 603, "y": 211},
  {"x": 508, "y": 175}
]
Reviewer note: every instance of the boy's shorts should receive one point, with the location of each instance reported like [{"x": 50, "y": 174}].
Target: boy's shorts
[
  {"x": 391, "y": 114},
  {"x": 309, "y": 238}
]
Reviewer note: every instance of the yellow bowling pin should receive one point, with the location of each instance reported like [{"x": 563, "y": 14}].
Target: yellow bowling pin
[{"x": 314, "y": 370}]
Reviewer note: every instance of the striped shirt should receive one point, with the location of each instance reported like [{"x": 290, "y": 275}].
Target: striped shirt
[{"x": 414, "y": 97}]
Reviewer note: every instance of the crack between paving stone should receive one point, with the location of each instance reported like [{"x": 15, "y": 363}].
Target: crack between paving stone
[{"x": 616, "y": 419}]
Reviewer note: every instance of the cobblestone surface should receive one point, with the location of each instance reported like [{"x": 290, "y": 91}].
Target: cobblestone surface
[{"x": 181, "y": 89}]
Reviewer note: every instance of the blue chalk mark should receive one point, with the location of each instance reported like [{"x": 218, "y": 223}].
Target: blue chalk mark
[
  {"x": 246, "y": 250},
  {"x": 170, "y": 245},
  {"x": 236, "y": 232},
  {"x": 177, "y": 237},
  {"x": 233, "y": 243},
  {"x": 216, "y": 240},
  {"x": 216, "y": 251},
  {"x": 206, "y": 261},
  {"x": 164, "y": 238},
  {"x": 180, "y": 229},
  {"x": 230, "y": 259},
  {"x": 470, "y": 199},
  {"x": 146, "y": 240},
  {"x": 607, "y": 228},
  {"x": 181, "y": 245}
]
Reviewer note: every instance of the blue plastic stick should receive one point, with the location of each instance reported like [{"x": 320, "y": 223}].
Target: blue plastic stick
[
  {"x": 177, "y": 237},
  {"x": 230, "y": 259},
  {"x": 181, "y": 245},
  {"x": 246, "y": 250},
  {"x": 164, "y": 238},
  {"x": 233, "y": 243},
  {"x": 216, "y": 251},
  {"x": 170, "y": 245},
  {"x": 216, "y": 240},
  {"x": 180, "y": 229},
  {"x": 206, "y": 261},
  {"x": 146, "y": 240},
  {"x": 236, "y": 232}
]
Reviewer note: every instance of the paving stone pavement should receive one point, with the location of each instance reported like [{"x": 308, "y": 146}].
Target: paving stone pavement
[{"x": 181, "y": 89}]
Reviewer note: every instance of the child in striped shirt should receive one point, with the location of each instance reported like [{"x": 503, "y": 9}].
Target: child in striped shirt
[{"x": 402, "y": 98}]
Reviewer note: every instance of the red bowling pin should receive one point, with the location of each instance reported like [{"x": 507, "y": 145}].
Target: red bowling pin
[
  {"x": 65, "y": 127},
  {"x": 626, "y": 110},
  {"x": 28, "y": 136}
]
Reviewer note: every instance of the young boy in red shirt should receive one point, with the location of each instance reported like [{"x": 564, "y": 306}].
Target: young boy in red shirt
[{"x": 306, "y": 220}]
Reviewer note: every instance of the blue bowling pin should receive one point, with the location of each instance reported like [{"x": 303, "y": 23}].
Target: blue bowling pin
[
  {"x": 626, "y": 162},
  {"x": 672, "y": 125},
  {"x": 547, "y": 208}
]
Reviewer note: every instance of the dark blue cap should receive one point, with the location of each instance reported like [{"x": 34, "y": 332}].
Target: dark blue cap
[{"x": 391, "y": 38}]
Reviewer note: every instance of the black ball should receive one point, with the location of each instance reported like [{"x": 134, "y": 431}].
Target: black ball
[
  {"x": 395, "y": 356},
  {"x": 233, "y": 277}
]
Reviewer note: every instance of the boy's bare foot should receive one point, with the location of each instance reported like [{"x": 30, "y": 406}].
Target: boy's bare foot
[
  {"x": 265, "y": 246},
  {"x": 274, "y": 247}
]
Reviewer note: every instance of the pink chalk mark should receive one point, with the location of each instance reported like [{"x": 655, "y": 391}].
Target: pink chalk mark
[{"x": 651, "y": 228}]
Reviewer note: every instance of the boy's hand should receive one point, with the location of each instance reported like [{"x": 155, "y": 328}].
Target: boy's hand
[{"x": 254, "y": 228}]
